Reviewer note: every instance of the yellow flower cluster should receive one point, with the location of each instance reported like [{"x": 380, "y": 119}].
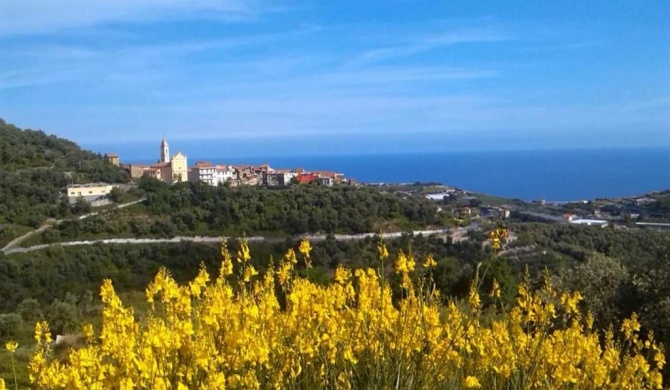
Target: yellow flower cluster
[
  {"x": 11, "y": 346},
  {"x": 283, "y": 332},
  {"x": 496, "y": 237}
]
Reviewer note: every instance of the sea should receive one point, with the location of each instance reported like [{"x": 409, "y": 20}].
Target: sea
[{"x": 551, "y": 175}]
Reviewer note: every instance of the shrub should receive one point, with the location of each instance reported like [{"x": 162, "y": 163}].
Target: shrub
[
  {"x": 10, "y": 325},
  {"x": 282, "y": 331}
]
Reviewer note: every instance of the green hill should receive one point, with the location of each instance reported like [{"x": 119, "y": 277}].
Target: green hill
[{"x": 34, "y": 169}]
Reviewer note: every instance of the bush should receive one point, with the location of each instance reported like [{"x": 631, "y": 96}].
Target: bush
[
  {"x": 30, "y": 310},
  {"x": 280, "y": 331},
  {"x": 10, "y": 326}
]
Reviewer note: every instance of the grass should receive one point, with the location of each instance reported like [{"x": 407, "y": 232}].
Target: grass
[{"x": 492, "y": 200}]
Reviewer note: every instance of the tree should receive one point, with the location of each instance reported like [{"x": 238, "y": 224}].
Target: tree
[
  {"x": 63, "y": 317},
  {"x": 474, "y": 202},
  {"x": 81, "y": 206},
  {"x": 116, "y": 195},
  {"x": 10, "y": 325},
  {"x": 30, "y": 310},
  {"x": 600, "y": 280}
]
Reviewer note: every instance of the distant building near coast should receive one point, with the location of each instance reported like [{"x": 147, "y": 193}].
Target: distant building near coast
[
  {"x": 589, "y": 222},
  {"x": 175, "y": 169},
  {"x": 168, "y": 169},
  {"x": 113, "y": 158},
  {"x": 95, "y": 193}
]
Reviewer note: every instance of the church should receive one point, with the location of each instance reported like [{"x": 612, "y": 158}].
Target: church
[{"x": 169, "y": 169}]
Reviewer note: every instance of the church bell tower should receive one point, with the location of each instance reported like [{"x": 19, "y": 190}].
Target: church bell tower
[{"x": 165, "y": 151}]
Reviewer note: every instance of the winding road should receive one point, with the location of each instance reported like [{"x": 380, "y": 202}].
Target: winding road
[
  {"x": 11, "y": 246},
  {"x": 457, "y": 234}
]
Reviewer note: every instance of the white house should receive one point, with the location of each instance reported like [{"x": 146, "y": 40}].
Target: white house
[
  {"x": 203, "y": 171},
  {"x": 590, "y": 222},
  {"x": 223, "y": 173},
  {"x": 437, "y": 197},
  {"x": 96, "y": 193},
  {"x": 279, "y": 177}
]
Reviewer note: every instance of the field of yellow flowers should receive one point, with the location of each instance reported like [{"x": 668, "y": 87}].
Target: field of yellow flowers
[{"x": 279, "y": 331}]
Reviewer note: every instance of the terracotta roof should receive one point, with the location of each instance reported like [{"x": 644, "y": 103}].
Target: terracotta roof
[
  {"x": 327, "y": 173},
  {"x": 160, "y": 165},
  {"x": 203, "y": 164},
  {"x": 112, "y": 155}
]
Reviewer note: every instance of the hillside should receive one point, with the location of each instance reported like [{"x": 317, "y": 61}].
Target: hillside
[
  {"x": 198, "y": 209},
  {"x": 34, "y": 168}
]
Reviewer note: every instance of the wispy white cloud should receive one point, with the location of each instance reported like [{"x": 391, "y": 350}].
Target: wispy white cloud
[
  {"x": 558, "y": 47},
  {"x": 38, "y": 16},
  {"x": 54, "y": 52},
  {"x": 385, "y": 75},
  {"x": 404, "y": 47},
  {"x": 320, "y": 113},
  {"x": 45, "y": 63},
  {"x": 36, "y": 77}
]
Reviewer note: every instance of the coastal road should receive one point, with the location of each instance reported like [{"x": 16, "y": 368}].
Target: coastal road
[
  {"x": 458, "y": 234},
  {"x": 11, "y": 246}
]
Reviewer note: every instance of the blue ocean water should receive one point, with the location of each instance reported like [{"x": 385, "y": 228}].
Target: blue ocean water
[{"x": 554, "y": 175}]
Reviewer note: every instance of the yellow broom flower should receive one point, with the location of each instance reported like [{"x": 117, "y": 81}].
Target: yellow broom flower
[{"x": 11, "y": 346}]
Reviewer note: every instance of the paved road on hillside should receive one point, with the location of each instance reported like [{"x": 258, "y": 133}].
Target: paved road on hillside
[
  {"x": 458, "y": 234},
  {"x": 10, "y": 247}
]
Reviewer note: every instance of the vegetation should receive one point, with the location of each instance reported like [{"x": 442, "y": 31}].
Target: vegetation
[
  {"x": 496, "y": 200},
  {"x": 283, "y": 331},
  {"x": 618, "y": 271},
  {"x": 58, "y": 283},
  {"x": 34, "y": 169},
  {"x": 52, "y": 273},
  {"x": 200, "y": 209},
  {"x": 659, "y": 208},
  {"x": 295, "y": 210},
  {"x": 639, "y": 247}
]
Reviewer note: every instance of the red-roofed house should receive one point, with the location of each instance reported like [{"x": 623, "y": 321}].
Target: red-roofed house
[
  {"x": 203, "y": 171},
  {"x": 113, "y": 158},
  {"x": 307, "y": 177}
]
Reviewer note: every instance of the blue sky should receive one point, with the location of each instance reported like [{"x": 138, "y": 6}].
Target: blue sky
[{"x": 286, "y": 77}]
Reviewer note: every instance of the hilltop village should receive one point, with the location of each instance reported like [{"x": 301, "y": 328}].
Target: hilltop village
[
  {"x": 649, "y": 210},
  {"x": 175, "y": 169}
]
